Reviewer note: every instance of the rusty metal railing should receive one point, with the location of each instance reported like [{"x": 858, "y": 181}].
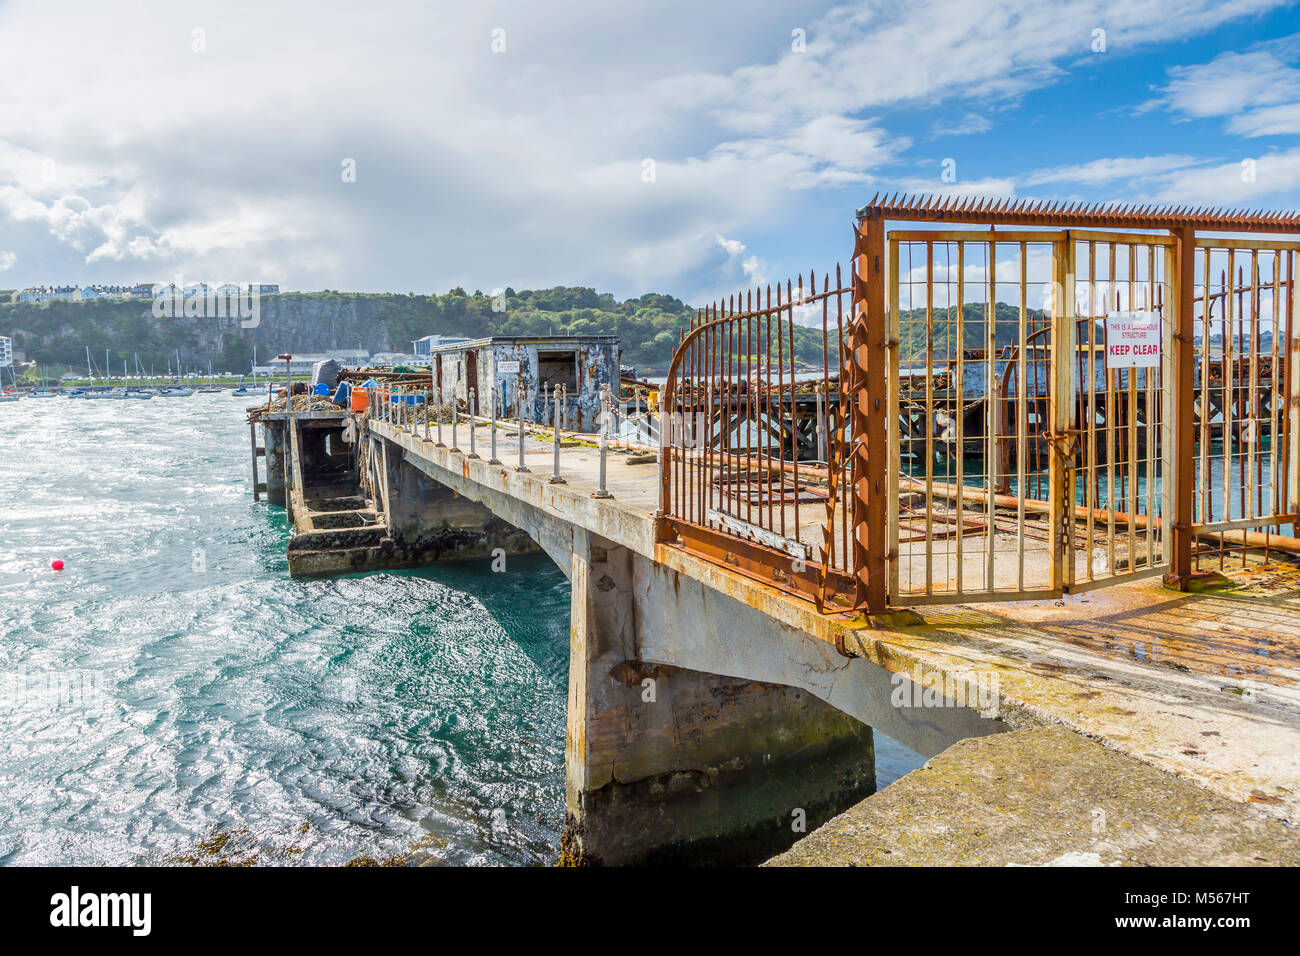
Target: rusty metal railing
[
  {"x": 753, "y": 439},
  {"x": 848, "y": 487}
]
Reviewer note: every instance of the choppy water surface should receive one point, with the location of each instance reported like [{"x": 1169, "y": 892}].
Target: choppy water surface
[{"x": 172, "y": 682}]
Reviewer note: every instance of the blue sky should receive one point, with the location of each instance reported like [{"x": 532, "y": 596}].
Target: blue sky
[{"x": 509, "y": 144}]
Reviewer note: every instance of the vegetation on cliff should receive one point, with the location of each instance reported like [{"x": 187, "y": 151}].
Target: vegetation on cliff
[{"x": 58, "y": 333}]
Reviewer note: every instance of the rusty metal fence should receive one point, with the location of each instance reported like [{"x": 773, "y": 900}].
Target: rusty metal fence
[
  {"x": 962, "y": 421},
  {"x": 753, "y": 436}
]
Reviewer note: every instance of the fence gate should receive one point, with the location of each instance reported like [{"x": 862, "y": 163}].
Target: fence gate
[
  {"x": 1025, "y": 463},
  {"x": 998, "y": 399}
]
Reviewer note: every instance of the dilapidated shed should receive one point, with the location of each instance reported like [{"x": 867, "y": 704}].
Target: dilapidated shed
[{"x": 505, "y": 370}]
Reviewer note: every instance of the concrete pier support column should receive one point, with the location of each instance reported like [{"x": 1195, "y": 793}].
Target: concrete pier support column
[
  {"x": 274, "y": 463},
  {"x": 671, "y": 765},
  {"x": 428, "y": 522}
]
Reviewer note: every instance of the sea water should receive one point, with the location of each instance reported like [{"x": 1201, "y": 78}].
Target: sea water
[{"x": 172, "y": 689}]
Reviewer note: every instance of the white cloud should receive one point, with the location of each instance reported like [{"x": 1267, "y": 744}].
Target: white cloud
[
  {"x": 987, "y": 186},
  {"x": 965, "y": 126},
  {"x": 1258, "y": 92},
  {"x": 7, "y": 260},
  {"x": 1275, "y": 176},
  {"x": 752, "y": 268},
  {"x": 522, "y": 168},
  {"x": 1108, "y": 170}
]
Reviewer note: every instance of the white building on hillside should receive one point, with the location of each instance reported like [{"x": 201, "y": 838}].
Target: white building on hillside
[
  {"x": 423, "y": 347},
  {"x": 45, "y": 293}
]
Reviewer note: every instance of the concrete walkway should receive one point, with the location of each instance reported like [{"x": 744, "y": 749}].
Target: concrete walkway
[{"x": 1045, "y": 797}]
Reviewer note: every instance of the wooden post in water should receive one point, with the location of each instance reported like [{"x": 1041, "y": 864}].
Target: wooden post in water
[{"x": 252, "y": 443}]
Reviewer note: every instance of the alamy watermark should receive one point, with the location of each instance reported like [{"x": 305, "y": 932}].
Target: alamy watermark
[
  {"x": 53, "y": 689},
  {"x": 209, "y": 300},
  {"x": 933, "y": 688}
]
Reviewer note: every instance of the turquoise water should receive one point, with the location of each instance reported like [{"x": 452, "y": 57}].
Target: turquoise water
[{"x": 172, "y": 681}]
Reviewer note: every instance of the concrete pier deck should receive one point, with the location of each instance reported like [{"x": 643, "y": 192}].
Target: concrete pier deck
[{"x": 1202, "y": 686}]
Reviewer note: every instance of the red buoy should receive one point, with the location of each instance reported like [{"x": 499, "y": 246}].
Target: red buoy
[{"x": 56, "y": 564}]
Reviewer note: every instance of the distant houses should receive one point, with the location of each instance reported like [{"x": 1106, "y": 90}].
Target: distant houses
[
  {"x": 50, "y": 293},
  {"x": 141, "y": 290},
  {"x": 302, "y": 363}
]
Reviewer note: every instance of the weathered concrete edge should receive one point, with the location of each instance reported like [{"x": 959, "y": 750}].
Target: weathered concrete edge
[{"x": 1044, "y": 797}]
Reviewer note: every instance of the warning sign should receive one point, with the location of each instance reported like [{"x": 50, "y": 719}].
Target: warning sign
[
  {"x": 1133, "y": 340},
  {"x": 508, "y": 368}
]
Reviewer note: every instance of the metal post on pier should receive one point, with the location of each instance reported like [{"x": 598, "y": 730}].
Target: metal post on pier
[
  {"x": 455, "y": 421},
  {"x": 519, "y": 401},
  {"x": 555, "y": 432},
  {"x": 426, "y": 413},
  {"x": 471, "y": 402},
  {"x": 493, "y": 460},
  {"x": 439, "y": 442},
  {"x": 602, "y": 491}
]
